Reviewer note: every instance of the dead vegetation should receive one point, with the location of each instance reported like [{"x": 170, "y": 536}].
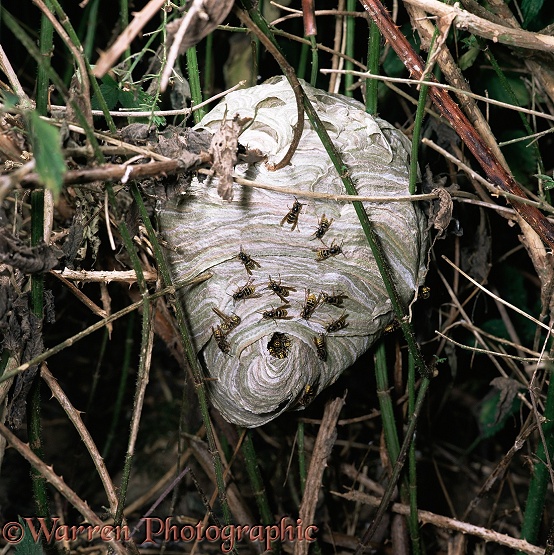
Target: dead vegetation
[{"x": 104, "y": 418}]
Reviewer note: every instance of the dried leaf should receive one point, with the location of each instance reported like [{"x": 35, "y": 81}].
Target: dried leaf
[
  {"x": 441, "y": 212},
  {"x": 224, "y": 148},
  {"x": 30, "y": 260},
  {"x": 204, "y": 17}
]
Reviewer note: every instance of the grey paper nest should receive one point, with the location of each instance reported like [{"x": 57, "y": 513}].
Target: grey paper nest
[{"x": 284, "y": 351}]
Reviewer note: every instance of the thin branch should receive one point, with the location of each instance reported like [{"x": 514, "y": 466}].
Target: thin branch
[
  {"x": 447, "y": 523},
  {"x": 465, "y": 20},
  {"x": 75, "y": 418},
  {"x": 48, "y": 473},
  {"x": 109, "y": 58}
]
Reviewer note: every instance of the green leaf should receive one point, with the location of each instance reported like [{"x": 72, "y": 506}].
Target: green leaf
[
  {"x": 530, "y": 9},
  {"x": 110, "y": 91},
  {"x": 498, "y": 92},
  {"x": 49, "y": 161},
  {"x": 498, "y": 406},
  {"x": 28, "y": 546},
  {"x": 521, "y": 159}
]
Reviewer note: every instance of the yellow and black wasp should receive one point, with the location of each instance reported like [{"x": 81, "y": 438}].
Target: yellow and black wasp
[
  {"x": 221, "y": 339},
  {"x": 281, "y": 291},
  {"x": 307, "y": 396},
  {"x": 338, "y": 324},
  {"x": 279, "y": 345},
  {"x": 323, "y": 226},
  {"x": 335, "y": 300},
  {"x": 327, "y": 252},
  {"x": 249, "y": 263},
  {"x": 280, "y": 313},
  {"x": 311, "y": 302},
  {"x": 321, "y": 346},
  {"x": 291, "y": 217},
  {"x": 247, "y": 291},
  {"x": 228, "y": 323}
]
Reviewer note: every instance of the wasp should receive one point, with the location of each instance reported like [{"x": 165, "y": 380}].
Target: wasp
[
  {"x": 280, "y": 290},
  {"x": 276, "y": 313},
  {"x": 323, "y": 226},
  {"x": 308, "y": 396},
  {"x": 321, "y": 346},
  {"x": 311, "y": 302},
  {"x": 249, "y": 263},
  {"x": 335, "y": 300},
  {"x": 279, "y": 345},
  {"x": 424, "y": 292},
  {"x": 221, "y": 339},
  {"x": 327, "y": 252},
  {"x": 292, "y": 215},
  {"x": 247, "y": 291},
  {"x": 394, "y": 325},
  {"x": 228, "y": 323},
  {"x": 338, "y": 324}
]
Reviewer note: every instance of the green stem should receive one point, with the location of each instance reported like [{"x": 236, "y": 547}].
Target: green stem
[
  {"x": 256, "y": 480},
  {"x": 190, "y": 354},
  {"x": 46, "y": 46},
  {"x": 93, "y": 82},
  {"x": 373, "y": 53},
  {"x": 194, "y": 81},
  {"x": 538, "y": 485},
  {"x": 385, "y": 402},
  {"x": 315, "y": 61},
  {"x": 145, "y": 338},
  {"x": 31, "y": 48},
  {"x": 118, "y": 405},
  {"x": 303, "y": 61},
  {"x": 351, "y": 6},
  {"x": 413, "y": 522},
  {"x": 34, "y": 425},
  {"x": 372, "y": 238},
  {"x": 398, "y": 465}
]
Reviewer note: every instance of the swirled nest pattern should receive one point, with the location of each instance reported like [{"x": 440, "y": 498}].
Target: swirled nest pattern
[{"x": 275, "y": 359}]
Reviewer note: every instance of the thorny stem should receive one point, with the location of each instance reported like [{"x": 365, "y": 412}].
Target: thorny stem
[
  {"x": 451, "y": 111},
  {"x": 371, "y": 235},
  {"x": 190, "y": 354},
  {"x": 398, "y": 465}
]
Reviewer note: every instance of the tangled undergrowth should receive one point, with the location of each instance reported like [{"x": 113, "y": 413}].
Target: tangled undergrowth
[{"x": 105, "y": 421}]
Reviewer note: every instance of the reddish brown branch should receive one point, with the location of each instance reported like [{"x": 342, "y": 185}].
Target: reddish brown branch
[
  {"x": 448, "y": 108},
  {"x": 308, "y": 11}
]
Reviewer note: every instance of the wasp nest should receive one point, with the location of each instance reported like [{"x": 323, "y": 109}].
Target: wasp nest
[{"x": 295, "y": 295}]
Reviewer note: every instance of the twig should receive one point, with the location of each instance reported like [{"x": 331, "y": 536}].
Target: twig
[
  {"x": 116, "y": 172},
  {"x": 141, "y": 114},
  {"x": 458, "y": 91},
  {"x": 81, "y": 335},
  {"x": 322, "y": 450},
  {"x": 108, "y": 59},
  {"x": 25, "y": 451},
  {"x": 78, "y": 56},
  {"x": 427, "y": 517},
  {"x": 104, "y": 276},
  {"x": 7, "y": 68},
  {"x": 489, "y": 352},
  {"x": 451, "y": 111},
  {"x": 288, "y": 70},
  {"x": 483, "y": 28},
  {"x": 75, "y": 418},
  {"x": 497, "y": 298}
]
